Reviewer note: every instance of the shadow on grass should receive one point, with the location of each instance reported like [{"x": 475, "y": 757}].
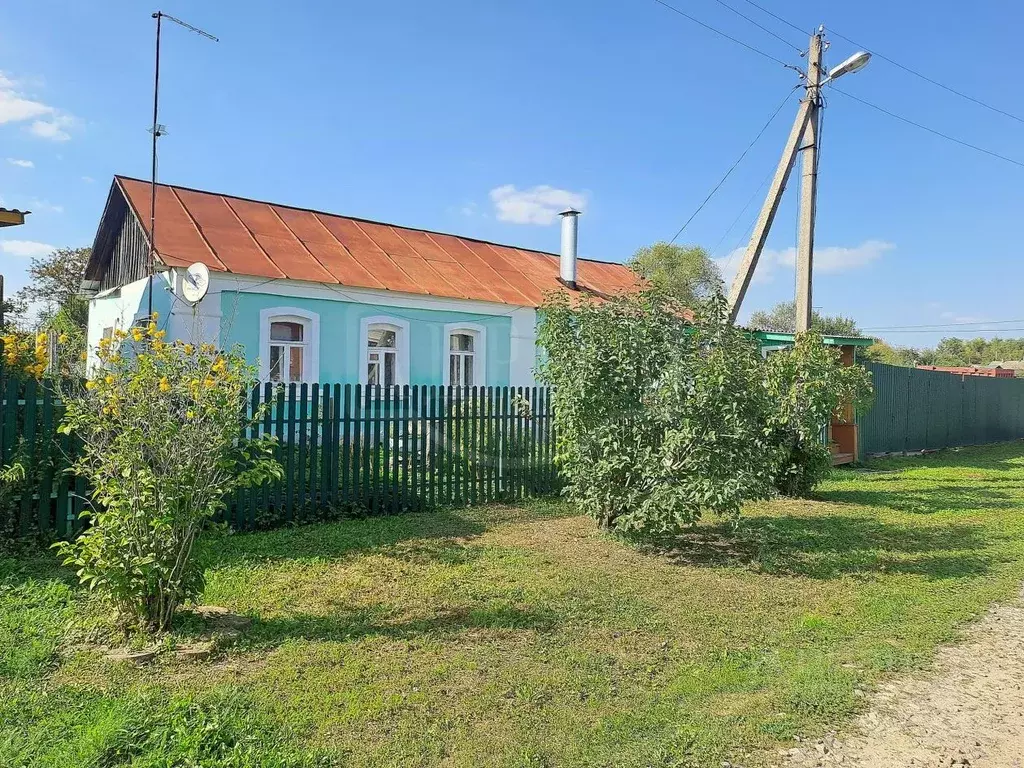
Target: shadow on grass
[
  {"x": 830, "y": 547},
  {"x": 354, "y": 624},
  {"x": 936, "y": 498},
  {"x": 407, "y": 532}
]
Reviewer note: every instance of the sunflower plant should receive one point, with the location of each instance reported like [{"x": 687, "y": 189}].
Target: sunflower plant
[{"x": 159, "y": 424}]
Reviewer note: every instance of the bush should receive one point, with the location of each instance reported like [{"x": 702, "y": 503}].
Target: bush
[
  {"x": 160, "y": 426},
  {"x": 662, "y": 415},
  {"x": 657, "y": 419},
  {"x": 807, "y": 384}
]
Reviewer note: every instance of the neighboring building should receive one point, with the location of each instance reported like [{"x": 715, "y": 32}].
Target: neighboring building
[
  {"x": 971, "y": 370},
  {"x": 314, "y": 296},
  {"x": 1017, "y": 366}
]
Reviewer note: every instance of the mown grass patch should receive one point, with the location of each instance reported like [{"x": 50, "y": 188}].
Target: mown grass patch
[{"x": 524, "y": 637}]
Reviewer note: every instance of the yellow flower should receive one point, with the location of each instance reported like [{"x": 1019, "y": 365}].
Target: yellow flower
[
  {"x": 137, "y": 334},
  {"x": 159, "y": 334},
  {"x": 190, "y": 414},
  {"x": 151, "y": 328},
  {"x": 189, "y": 349},
  {"x": 119, "y": 334},
  {"x": 41, "y": 338},
  {"x": 83, "y": 356},
  {"x": 158, "y": 346},
  {"x": 155, "y": 315},
  {"x": 63, "y": 338},
  {"x": 206, "y": 347},
  {"x": 209, "y": 382},
  {"x": 109, "y": 379},
  {"x": 165, "y": 385},
  {"x": 105, "y": 342}
]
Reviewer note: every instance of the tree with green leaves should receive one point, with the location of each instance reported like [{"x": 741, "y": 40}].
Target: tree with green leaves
[
  {"x": 54, "y": 284},
  {"x": 685, "y": 273},
  {"x": 782, "y": 319}
]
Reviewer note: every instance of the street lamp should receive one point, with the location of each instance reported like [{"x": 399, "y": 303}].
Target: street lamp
[{"x": 855, "y": 63}]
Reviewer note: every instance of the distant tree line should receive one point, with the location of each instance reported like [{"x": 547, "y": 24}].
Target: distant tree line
[{"x": 949, "y": 352}]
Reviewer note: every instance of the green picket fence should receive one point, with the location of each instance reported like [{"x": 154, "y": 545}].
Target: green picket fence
[
  {"x": 345, "y": 449},
  {"x": 48, "y": 499},
  {"x": 921, "y": 410},
  {"x": 372, "y": 450}
]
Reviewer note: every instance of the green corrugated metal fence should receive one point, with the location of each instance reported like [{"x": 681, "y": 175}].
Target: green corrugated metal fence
[
  {"x": 917, "y": 410},
  {"x": 345, "y": 449}
]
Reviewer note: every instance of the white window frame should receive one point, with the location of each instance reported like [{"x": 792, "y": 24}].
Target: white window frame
[
  {"x": 310, "y": 336},
  {"x": 479, "y": 334},
  {"x": 401, "y": 330}
]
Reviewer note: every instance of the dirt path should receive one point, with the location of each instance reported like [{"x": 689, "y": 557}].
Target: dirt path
[{"x": 969, "y": 711}]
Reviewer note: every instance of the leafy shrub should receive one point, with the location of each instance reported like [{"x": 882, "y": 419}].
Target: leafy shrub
[
  {"x": 657, "y": 419},
  {"x": 807, "y": 384},
  {"x": 662, "y": 415},
  {"x": 160, "y": 426}
]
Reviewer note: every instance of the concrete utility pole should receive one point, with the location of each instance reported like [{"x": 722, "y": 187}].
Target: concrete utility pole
[
  {"x": 808, "y": 185},
  {"x": 805, "y": 127}
]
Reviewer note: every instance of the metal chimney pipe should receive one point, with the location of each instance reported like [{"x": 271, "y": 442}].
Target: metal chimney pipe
[{"x": 567, "y": 264}]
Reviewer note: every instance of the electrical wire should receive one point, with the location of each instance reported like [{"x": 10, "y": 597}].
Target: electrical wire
[
  {"x": 927, "y": 79},
  {"x": 940, "y": 330},
  {"x": 799, "y": 49},
  {"x": 923, "y": 127},
  {"x": 720, "y": 33},
  {"x": 904, "y": 67},
  {"x": 743, "y": 210},
  {"x": 939, "y": 325},
  {"x": 735, "y": 164}
]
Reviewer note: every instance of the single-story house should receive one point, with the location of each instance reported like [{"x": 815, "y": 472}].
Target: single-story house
[{"x": 314, "y": 296}]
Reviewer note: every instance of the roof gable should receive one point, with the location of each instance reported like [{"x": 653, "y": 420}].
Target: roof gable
[{"x": 250, "y": 237}]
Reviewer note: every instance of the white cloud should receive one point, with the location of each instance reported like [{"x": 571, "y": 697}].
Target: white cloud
[
  {"x": 88, "y": 179},
  {"x": 49, "y": 122},
  {"x": 25, "y": 248},
  {"x": 44, "y": 206},
  {"x": 54, "y": 129},
  {"x": 830, "y": 259},
  {"x": 537, "y": 205},
  {"x": 21, "y": 163}
]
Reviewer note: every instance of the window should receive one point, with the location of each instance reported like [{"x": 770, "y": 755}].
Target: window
[
  {"x": 464, "y": 355},
  {"x": 289, "y": 345},
  {"x": 384, "y": 341},
  {"x": 287, "y": 350},
  {"x": 382, "y": 356},
  {"x": 460, "y": 359}
]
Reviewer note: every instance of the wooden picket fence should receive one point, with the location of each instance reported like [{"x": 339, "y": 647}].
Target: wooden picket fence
[{"x": 345, "y": 449}]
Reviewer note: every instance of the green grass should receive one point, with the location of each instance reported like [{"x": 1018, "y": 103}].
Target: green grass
[{"x": 524, "y": 637}]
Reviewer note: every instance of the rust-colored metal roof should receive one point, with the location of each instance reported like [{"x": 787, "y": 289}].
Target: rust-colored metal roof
[{"x": 249, "y": 237}]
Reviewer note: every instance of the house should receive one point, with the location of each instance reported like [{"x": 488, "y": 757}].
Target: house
[
  {"x": 314, "y": 296},
  {"x": 994, "y": 372}
]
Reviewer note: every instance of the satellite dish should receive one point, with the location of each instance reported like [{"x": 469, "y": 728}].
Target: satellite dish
[{"x": 195, "y": 282}]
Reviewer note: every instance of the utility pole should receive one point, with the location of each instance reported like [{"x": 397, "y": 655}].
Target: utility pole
[
  {"x": 808, "y": 185},
  {"x": 807, "y": 127}
]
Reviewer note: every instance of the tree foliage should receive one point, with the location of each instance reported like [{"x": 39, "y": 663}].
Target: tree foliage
[
  {"x": 159, "y": 425},
  {"x": 659, "y": 420},
  {"x": 685, "y": 273},
  {"x": 782, "y": 319}
]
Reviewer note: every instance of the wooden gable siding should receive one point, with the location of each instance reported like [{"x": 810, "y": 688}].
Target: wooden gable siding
[{"x": 129, "y": 255}]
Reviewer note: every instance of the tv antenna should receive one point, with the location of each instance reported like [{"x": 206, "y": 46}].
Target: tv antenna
[{"x": 159, "y": 130}]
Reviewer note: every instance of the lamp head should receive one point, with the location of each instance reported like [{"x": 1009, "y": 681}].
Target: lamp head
[{"x": 855, "y": 63}]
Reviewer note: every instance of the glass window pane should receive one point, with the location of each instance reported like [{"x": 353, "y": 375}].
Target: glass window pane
[
  {"x": 295, "y": 364},
  {"x": 461, "y": 342},
  {"x": 389, "y": 369},
  {"x": 276, "y": 357},
  {"x": 453, "y": 370},
  {"x": 373, "y": 373},
  {"x": 467, "y": 363},
  {"x": 283, "y": 331},
  {"x": 380, "y": 337}
]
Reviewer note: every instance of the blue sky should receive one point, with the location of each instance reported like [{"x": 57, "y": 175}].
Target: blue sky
[{"x": 451, "y": 115}]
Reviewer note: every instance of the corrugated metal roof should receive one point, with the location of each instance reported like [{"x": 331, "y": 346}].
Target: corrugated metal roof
[{"x": 249, "y": 237}]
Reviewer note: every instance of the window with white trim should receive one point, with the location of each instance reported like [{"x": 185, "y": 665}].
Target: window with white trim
[
  {"x": 464, "y": 347},
  {"x": 287, "y": 350},
  {"x": 461, "y": 359},
  {"x": 382, "y": 355},
  {"x": 289, "y": 345}
]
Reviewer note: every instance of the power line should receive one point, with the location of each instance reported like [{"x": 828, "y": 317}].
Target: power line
[
  {"x": 927, "y": 79},
  {"x": 966, "y": 330},
  {"x": 940, "y": 325},
  {"x": 940, "y": 134},
  {"x": 799, "y": 49},
  {"x": 897, "y": 64},
  {"x": 720, "y": 33},
  {"x": 735, "y": 164}
]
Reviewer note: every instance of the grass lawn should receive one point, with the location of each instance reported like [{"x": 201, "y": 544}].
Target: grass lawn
[{"x": 524, "y": 637}]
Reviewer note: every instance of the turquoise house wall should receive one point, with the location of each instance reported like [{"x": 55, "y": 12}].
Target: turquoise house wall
[{"x": 339, "y": 335}]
